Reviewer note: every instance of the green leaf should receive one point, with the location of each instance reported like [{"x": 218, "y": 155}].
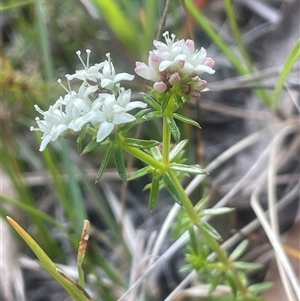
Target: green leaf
[
  {"x": 154, "y": 192},
  {"x": 74, "y": 289},
  {"x": 139, "y": 143},
  {"x": 156, "y": 153},
  {"x": 186, "y": 120},
  {"x": 90, "y": 146},
  {"x": 173, "y": 128},
  {"x": 260, "y": 287},
  {"x": 247, "y": 266},
  {"x": 171, "y": 187},
  {"x": 177, "y": 149},
  {"x": 209, "y": 230},
  {"x": 151, "y": 102},
  {"x": 291, "y": 60},
  {"x": 202, "y": 203},
  {"x": 239, "y": 250},
  {"x": 152, "y": 115},
  {"x": 80, "y": 138},
  {"x": 216, "y": 211},
  {"x": 120, "y": 165},
  {"x": 140, "y": 173},
  {"x": 194, "y": 169},
  {"x": 104, "y": 162},
  {"x": 232, "y": 283}
]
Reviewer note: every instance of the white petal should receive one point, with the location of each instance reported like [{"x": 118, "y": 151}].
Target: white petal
[
  {"x": 45, "y": 142},
  {"x": 135, "y": 104},
  {"x": 123, "y": 118},
  {"x": 203, "y": 68},
  {"x": 104, "y": 130},
  {"x": 164, "y": 65},
  {"x": 123, "y": 76}
]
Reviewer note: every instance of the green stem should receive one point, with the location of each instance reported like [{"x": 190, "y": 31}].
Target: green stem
[
  {"x": 143, "y": 156},
  {"x": 215, "y": 246},
  {"x": 186, "y": 203}
]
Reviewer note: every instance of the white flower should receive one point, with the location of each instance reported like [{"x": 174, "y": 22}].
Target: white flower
[
  {"x": 88, "y": 73},
  {"x": 106, "y": 116},
  {"x": 109, "y": 77},
  {"x": 150, "y": 72},
  {"x": 99, "y": 101},
  {"x": 54, "y": 124},
  {"x": 123, "y": 101}
]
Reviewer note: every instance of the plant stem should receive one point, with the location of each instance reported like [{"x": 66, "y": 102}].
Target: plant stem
[
  {"x": 143, "y": 156},
  {"x": 186, "y": 202}
]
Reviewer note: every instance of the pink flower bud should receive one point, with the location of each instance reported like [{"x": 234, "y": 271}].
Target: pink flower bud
[
  {"x": 160, "y": 87},
  {"x": 195, "y": 95},
  {"x": 209, "y": 62},
  {"x": 174, "y": 78},
  {"x": 191, "y": 45}
]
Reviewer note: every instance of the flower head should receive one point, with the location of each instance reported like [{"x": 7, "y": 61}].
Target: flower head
[
  {"x": 175, "y": 62},
  {"x": 100, "y": 102}
]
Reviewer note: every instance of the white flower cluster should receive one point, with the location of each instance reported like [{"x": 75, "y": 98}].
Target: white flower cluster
[
  {"x": 176, "y": 62},
  {"x": 100, "y": 101}
]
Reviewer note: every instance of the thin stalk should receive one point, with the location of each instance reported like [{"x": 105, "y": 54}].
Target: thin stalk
[
  {"x": 215, "y": 246},
  {"x": 186, "y": 203},
  {"x": 143, "y": 156}
]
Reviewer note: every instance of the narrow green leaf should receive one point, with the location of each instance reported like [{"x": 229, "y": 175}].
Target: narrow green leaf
[
  {"x": 80, "y": 139},
  {"x": 247, "y": 266},
  {"x": 154, "y": 192},
  {"x": 90, "y": 146},
  {"x": 291, "y": 60},
  {"x": 173, "y": 128},
  {"x": 185, "y": 119},
  {"x": 151, "y": 102},
  {"x": 171, "y": 187},
  {"x": 232, "y": 283},
  {"x": 120, "y": 165},
  {"x": 139, "y": 143},
  {"x": 156, "y": 153},
  {"x": 193, "y": 240},
  {"x": 216, "y": 211},
  {"x": 152, "y": 115},
  {"x": 139, "y": 173},
  {"x": 177, "y": 149},
  {"x": 202, "y": 203},
  {"x": 260, "y": 287},
  {"x": 194, "y": 169},
  {"x": 209, "y": 230},
  {"x": 75, "y": 290},
  {"x": 239, "y": 250},
  {"x": 104, "y": 161}
]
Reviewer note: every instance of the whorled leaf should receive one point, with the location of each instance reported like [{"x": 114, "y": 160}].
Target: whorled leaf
[
  {"x": 151, "y": 102},
  {"x": 193, "y": 169},
  {"x": 173, "y": 128},
  {"x": 104, "y": 162},
  {"x": 154, "y": 192},
  {"x": 120, "y": 165},
  {"x": 185, "y": 119},
  {"x": 139, "y": 143}
]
